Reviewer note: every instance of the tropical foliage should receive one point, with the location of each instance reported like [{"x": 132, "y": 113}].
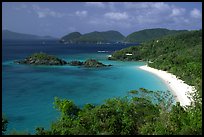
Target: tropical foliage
[
  {"x": 180, "y": 54},
  {"x": 149, "y": 34},
  {"x": 71, "y": 37},
  {"x": 144, "y": 112},
  {"x": 4, "y": 124},
  {"x": 126, "y": 116},
  {"x": 94, "y": 37}
]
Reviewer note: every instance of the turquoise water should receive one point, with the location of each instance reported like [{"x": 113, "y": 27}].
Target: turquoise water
[{"x": 29, "y": 91}]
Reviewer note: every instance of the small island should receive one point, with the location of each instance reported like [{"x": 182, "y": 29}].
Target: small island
[
  {"x": 45, "y": 59},
  {"x": 88, "y": 63},
  {"x": 41, "y": 59},
  {"x": 94, "y": 63}
]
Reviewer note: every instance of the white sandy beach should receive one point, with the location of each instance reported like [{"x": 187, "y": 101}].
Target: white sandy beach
[{"x": 179, "y": 89}]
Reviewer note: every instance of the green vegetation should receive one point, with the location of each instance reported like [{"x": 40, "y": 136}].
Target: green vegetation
[
  {"x": 89, "y": 63},
  {"x": 149, "y": 34},
  {"x": 93, "y": 63},
  {"x": 15, "y": 132},
  {"x": 41, "y": 59},
  {"x": 94, "y": 37},
  {"x": 45, "y": 59},
  {"x": 71, "y": 37},
  {"x": 42, "y": 55},
  {"x": 133, "y": 91},
  {"x": 180, "y": 54},
  {"x": 116, "y": 116},
  {"x": 178, "y": 121},
  {"x": 126, "y": 116},
  {"x": 4, "y": 124},
  {"x": 115, "y": 36}
]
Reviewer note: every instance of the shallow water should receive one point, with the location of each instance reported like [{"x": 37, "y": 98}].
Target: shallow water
[{"x": 29, "y": 91}]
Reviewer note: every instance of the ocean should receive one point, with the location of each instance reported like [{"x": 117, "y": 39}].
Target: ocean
[{"x": 28, "y": 91}]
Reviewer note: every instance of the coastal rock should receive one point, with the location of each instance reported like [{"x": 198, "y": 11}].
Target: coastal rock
[
  {"x": 41, "y": 59},
  {"x": 76, "y": 63},
  {"x": 88, "y": 63},
  {"x": 44, "y": 59},
  {"x": 93, "y": 63}
]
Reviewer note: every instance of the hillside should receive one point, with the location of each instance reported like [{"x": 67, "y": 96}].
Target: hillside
[
  {"x": 71, "y": 37},
  {"x": 149, "y": 34},
  {"x": 10, "y": 35},
  {"x": 94, "y": 37},
  {"x": 180, "y": 54}
]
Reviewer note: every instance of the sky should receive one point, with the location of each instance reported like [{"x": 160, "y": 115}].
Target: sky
[{"x": 60, "y": 18}]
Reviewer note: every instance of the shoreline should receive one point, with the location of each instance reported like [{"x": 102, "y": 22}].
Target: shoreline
[{"x": 179, "y": 89}]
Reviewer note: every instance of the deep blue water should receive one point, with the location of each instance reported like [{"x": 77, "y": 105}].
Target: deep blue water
[{"x": 28, "y": 91}]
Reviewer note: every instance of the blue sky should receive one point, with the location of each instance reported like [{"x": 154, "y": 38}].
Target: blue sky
[{"x": 60, "y": 18}]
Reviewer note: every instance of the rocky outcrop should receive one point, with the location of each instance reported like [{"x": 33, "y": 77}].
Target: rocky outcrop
[
  {"x": 88, "y": 63},
  {"x": 75, "y": 63},
  {"x": 93, "y": 63},
  {"x": 44, "y": 59},
  {"x": 41, "y": 59}
]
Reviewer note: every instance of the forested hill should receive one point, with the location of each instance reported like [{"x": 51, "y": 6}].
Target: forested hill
[
  {"x": 180, "y": 54},
  {"x": 94, "y": 37},
  {"x": 149, "y": 34},
  {"x": 71, "y": 37},
  {"x": 115, "y": 36}
]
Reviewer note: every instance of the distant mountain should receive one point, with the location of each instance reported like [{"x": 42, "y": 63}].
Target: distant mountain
[
  {"x": 149, "y": 34},
  {"x": 71, "y": 37},
  {"x": 94, "y": 37},
  {"x": 10, "y": 35},
  {"x": 115, "y": 36}
]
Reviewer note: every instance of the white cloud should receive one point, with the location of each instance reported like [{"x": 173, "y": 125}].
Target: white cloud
[
  {"x": 157, "y": 13},
  {"x": 195, "y": 13},
  {"x": 96, "y": 4},
  {"x": 177, "y": 12},
  {"x": 81, "y": 13},
  {"x": 116, "y": 15},
  {"x": 149, "y": 10},
  {"x": 22, "y": 7},
  {"x": 45, "y": 12},
  {"x": 146, "y": 5},
  {"x": 159, "y": 5},
  {"x": 109, "y": 24},
  {"x": 136, "y": 5}
]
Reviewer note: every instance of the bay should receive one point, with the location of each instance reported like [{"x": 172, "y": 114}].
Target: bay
[{"x": 28, "y": 91}]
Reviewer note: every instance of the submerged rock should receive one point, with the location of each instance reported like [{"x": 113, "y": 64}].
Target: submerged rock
[{"x": 41, "y": 59}]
